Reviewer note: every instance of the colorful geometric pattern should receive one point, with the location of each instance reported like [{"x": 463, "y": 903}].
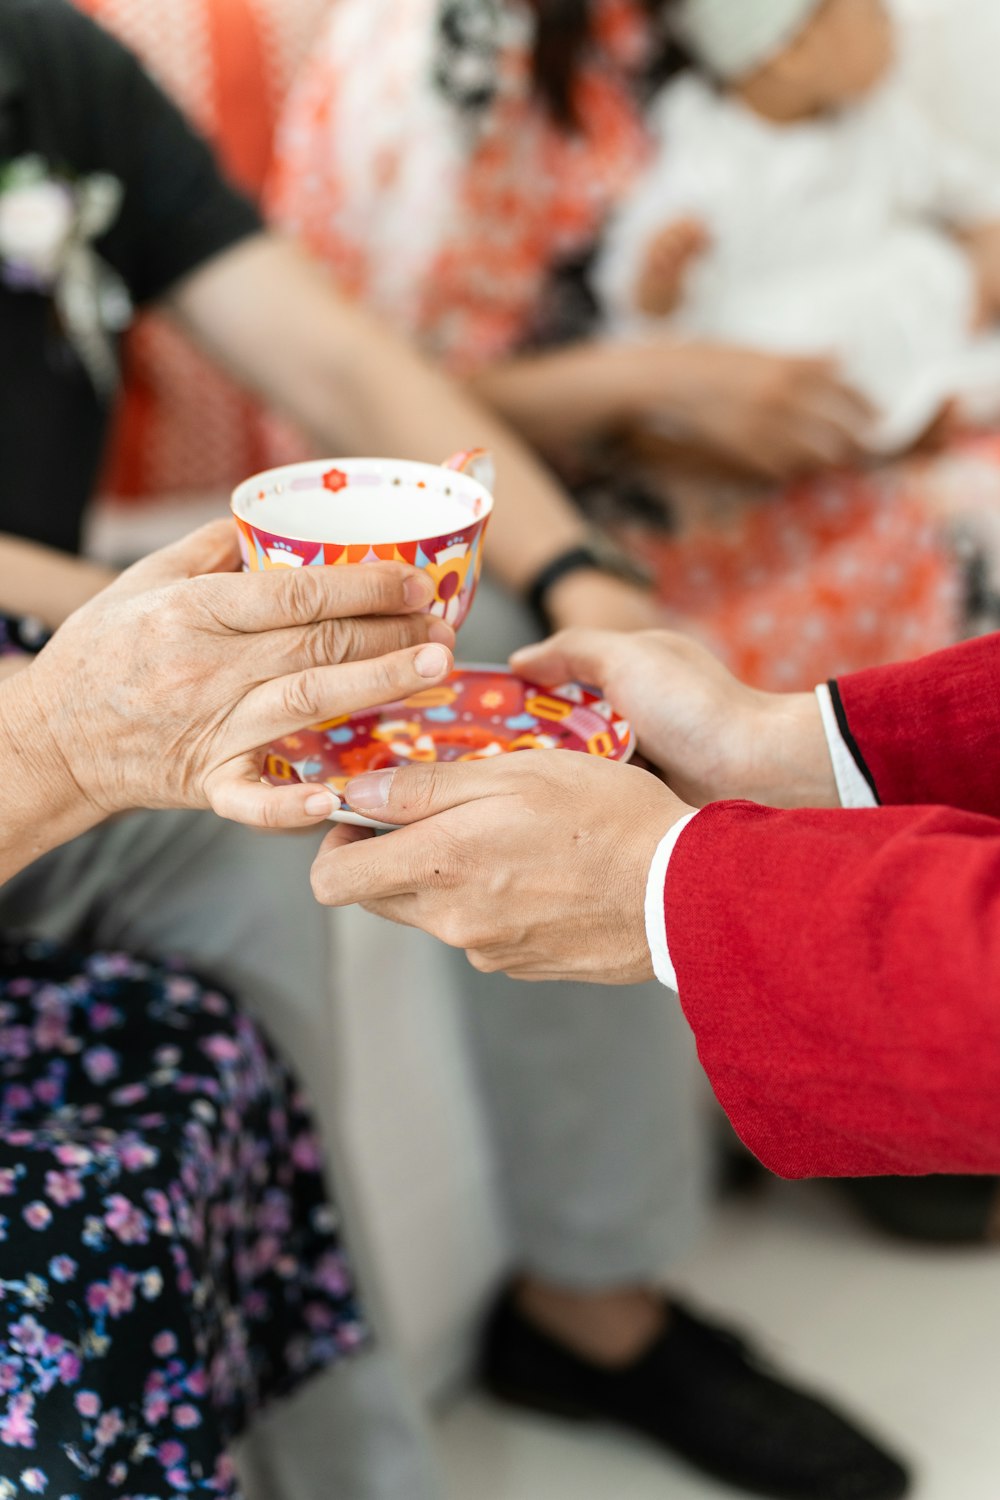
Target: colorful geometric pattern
[
  {"x": 478, "y": 713},
  {"x": 453, "y": 560}
]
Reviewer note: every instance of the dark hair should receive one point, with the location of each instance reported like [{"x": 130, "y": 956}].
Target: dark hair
[{"x": 562, "y": 34}]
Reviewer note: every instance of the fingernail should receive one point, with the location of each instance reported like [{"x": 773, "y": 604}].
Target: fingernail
[
  {"x": 432, "y": 661},
  {"x": 441, "y": 632},
  {"x": 370, "y": 793},
  {"x": 418, "y": 590},
  {"x": 322, "y": 804}
]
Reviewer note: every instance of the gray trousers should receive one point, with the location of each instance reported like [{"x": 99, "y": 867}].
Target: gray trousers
[{"x": 588, "y": 1092}]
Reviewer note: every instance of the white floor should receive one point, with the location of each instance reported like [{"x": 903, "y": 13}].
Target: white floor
[{"x": 908, "y": 1337}]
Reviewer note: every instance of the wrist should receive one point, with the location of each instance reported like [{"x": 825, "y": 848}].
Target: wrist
[
  {"x": 591, "y": 583},
  {"x": 793, "y": 767},
  {"x": 642, "y": 376},
  {"x": 43, "y": 806}
]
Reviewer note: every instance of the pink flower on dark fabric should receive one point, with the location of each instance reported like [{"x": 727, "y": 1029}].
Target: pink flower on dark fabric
[
  {"x": 87, "y": 1403},
  {"x": 306, "y": 1153},
  {"x": 126, "y": 1222},
  {"x": 72, "y": 1155},
  {"x": 103, "y": 1016},
  {"x": 137, "y": 1156},
  {"x": 221, "y": 1049},
  {"x": 101, "y": 1064},
  {"x": 38, "y": 1215},
  {"x": 109, "y": 1427},
  {"x": 63, "y": 1268},
  {"x": 28, "y": 1336},
  {"x": 63, "y": 1188},
  {"x": 17, "y": 1427},
  {"x": 155, "y": 1408},
  {"x": 121, "y": 1292},
  {"x": 97, "y": 1296}
]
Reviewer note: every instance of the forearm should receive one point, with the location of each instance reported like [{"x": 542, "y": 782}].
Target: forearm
[
  {"x": 840, "y": 973},
  {"x": 356, "y": 387},
  {"x": 38, "y": 581},
  {"x": 41, "y": 807},
  {"x": 562, "y": 398}
]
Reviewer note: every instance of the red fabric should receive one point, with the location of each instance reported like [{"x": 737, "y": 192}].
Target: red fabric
[
  {"x": 929, "y": 731},
  {"x": 841, "y": 970}
]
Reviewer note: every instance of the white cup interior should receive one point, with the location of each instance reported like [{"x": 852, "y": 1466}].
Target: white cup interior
[{"x": 384, "y": 501}]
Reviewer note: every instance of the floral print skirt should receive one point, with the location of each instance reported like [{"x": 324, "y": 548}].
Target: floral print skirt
[{"x": 168, "y": 1255}]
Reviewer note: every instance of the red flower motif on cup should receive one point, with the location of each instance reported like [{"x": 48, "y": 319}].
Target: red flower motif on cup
[{"x": 334, "y": 480}]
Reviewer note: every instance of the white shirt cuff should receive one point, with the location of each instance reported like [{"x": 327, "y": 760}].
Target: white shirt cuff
[
  {"x": 851, "y": 784},
  {"x": 656, "y": 921}
]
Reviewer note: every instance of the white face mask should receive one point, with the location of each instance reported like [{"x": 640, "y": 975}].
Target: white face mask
[{"x": 732, "y": 38}]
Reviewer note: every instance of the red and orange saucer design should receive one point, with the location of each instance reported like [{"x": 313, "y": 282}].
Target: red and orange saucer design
[{"x": 478, "y": 713}]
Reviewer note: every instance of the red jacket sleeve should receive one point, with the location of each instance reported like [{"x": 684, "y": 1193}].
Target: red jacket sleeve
[
  {"x": 841, "y": 973},
  {"x": 841, "y": 970},
  {"x": 929, "y": 731}
]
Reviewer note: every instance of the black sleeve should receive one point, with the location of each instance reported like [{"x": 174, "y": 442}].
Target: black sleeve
[{"x": 103, "y": 113}]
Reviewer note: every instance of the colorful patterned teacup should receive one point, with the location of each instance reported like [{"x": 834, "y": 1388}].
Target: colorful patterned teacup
[{"x": 359, "y": 510}]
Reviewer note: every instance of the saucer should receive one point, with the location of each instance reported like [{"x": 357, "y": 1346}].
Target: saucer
[{"x": 477, "y": 713}]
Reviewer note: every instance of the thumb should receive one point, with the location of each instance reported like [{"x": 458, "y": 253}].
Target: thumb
[
  {"x": 409, "y": 794},
  {"x": 213, "y": 548},
  {"x": 571, "y": 656}
]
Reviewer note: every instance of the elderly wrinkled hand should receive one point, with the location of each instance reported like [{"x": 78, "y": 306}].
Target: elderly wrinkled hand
[
  {"x": 535, "y": 863},
  {"x": 164, "y": 690},
  {"x": 710, "y": 735}
]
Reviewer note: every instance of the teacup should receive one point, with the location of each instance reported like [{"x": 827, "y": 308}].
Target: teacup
[{"x": 361, "y": 510}]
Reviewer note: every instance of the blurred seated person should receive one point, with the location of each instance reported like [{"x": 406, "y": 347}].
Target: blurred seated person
[
  {"x": 799, "y": 202},
  {"x": 170, "y": 1260}
]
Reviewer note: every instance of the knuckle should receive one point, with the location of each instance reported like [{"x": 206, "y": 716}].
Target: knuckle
[
  {"x": 323, "y": 880},
  {"x": 303, "y": 591},
  {"x": 300, "y": 696},
  {"x": 333, "y": 642},
  {"x": 379, "y": 587},
  {"x": 482, "y": 962},
  {"x": 453, "y": 930}
]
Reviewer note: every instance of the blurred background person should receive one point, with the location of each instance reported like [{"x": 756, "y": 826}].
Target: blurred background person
[{"x": 798, "y": 201}]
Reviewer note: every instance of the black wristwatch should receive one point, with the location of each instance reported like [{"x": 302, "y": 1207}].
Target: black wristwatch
[{"x": 597, "y": 554}]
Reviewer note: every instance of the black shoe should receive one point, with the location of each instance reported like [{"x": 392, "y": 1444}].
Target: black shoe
[
  {"x": 703, "y": 1393},
  {"x": 933, "y": 1210}
]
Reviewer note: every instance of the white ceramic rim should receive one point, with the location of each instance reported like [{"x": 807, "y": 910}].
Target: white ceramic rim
[{"x": 320, "y": 466}]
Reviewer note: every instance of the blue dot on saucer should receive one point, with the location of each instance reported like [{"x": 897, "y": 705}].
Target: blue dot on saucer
[
  {"x": 522, "y": 721},
  {"x": 442, "y": 715}
]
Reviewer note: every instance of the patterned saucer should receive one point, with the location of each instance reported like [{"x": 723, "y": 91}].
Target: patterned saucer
[{"x": 479, "y": 712}]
